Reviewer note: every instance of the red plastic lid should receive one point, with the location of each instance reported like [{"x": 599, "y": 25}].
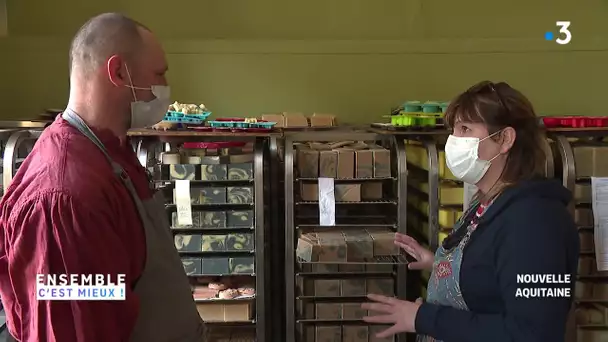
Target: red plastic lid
[{"x": 213, "y": 145}]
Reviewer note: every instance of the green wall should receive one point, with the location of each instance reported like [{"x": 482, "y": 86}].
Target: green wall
[{"x": 354, "y": 58}]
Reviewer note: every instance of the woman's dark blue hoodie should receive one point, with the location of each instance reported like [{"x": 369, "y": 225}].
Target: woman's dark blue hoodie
[{"x": 527, "y": 230}]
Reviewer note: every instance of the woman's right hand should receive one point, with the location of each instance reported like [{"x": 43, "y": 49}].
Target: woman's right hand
[{"x": 424, "y": 257}]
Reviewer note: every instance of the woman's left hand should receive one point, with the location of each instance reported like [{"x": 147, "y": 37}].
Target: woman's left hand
[{"x": 400, "y": 313}]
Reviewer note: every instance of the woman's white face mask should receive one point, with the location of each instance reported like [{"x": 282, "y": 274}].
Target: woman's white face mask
[{"x": 462, "y": 158}]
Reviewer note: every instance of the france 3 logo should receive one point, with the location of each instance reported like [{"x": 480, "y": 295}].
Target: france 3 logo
[{"x": 563, "y": 36}]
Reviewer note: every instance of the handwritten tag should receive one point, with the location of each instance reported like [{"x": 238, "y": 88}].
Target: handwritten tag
[{"x": 183, "y": 203}]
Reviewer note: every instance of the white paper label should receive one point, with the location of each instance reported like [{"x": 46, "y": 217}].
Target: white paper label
[
  {"x": 469, "y": 191},
  {"x": 599, "y": 193},
  {"x": 327, "y": 202},
  {"x": 182, "y": 202}
]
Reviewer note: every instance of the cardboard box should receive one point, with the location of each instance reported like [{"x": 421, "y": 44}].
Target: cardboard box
[
  {"x": 237, "y": 312},
  {"x": 355, "y": 334},
  {"x": 345, "y": 168},
  {"x": 188, "y": 242},
  {"x": 214, "y": 172},
  {"x": 240, "y": 194},
  {"x": 328, "y": 334},
  {"x": 243, "y": 171},
  {"x": 307, "y": 162},
  {"x": 347, "y": 192},
  {"x": 382, "y": 161},
  {"x": 364, "y": 164},
  {"x": 211, "y": 312},
  {"x": 329, "y": 311},
  {"x": 371, "y": 191},
  {"x": 328, "y": 162}
]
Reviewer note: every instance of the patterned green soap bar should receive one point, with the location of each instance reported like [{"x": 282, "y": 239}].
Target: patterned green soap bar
[
  {"x": 188, "y": 243},
  {"x": 213, "y": 219},
  {"x": 216, "y": 172},
  {"x": 182, "y": 171},
  {"x": 240, "y": 171},
  {"x": 215, "y": 266},
  {"x": 242, "y": 265},
  {"x": 240, "y": 195},
  {"x": 239, "y": 242},
  {"x": 213, "y": 195},
  {"x": 213, "y": 243},
  {"x": 192, "y": 266},
  {"x": 240, "y": 218}
]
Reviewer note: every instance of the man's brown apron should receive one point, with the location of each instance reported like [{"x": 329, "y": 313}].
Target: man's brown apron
[{"x": 167, "y": 311}]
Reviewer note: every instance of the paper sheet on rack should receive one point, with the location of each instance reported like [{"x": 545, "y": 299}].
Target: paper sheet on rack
[
  {"x": 183, "y": 202},
  {"x": 327, "y": 202},
  {"x": 469, "y": 191},
  {"x": 599, "y": 192}
]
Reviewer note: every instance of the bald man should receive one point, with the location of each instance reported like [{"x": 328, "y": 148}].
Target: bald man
[{"x": 81, "y": 203}]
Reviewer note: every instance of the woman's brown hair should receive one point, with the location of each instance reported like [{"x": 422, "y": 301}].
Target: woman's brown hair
[{"x": 498, "y": 106}]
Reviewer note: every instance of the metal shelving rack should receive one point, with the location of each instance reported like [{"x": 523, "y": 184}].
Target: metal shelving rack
[
  {"x": 150, "y": 142},
  {"x": 300, "y": 273},
  {"x": 564, "y": 142}
]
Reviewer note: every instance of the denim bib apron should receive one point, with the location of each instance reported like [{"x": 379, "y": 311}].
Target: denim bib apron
[{"x": 444, "y": 284}]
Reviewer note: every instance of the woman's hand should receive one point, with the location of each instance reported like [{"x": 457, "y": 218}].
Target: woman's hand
[
  {"x": 424, "y": 257},
  {"x": 400, "y": 313}
]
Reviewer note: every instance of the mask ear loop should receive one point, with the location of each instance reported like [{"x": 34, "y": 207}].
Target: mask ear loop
[{"x": 131, "y": 81}]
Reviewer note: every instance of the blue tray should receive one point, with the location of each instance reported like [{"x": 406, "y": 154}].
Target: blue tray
[{"x": 194, "y": 119}]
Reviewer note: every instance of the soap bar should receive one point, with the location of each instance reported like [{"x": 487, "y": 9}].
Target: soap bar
[
  {"x": 212, "y": 243},
  {"x": 188, "y": 242},
  {"x": 240, "y": 195},
  {"x": 217, "y": 172},
  {"x": 213, "y": 219},
  {"x": 242, "y": 171},
  {"x": 242, "y": 265},
  {"x": 240, "y": 218},
  {"x": 192, "y": 266},
  {"x": 239, "y": 242},
  {"x": 215, "y": 266},
  {"x": 213, "y": 195},
  {"x": 182, "y": 171}
]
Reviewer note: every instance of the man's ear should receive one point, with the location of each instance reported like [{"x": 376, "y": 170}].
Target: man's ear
[{"x": 116, "y": 70}]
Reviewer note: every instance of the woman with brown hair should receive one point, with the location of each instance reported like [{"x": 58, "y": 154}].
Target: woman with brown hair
[{"x": 507, "y": 270}]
